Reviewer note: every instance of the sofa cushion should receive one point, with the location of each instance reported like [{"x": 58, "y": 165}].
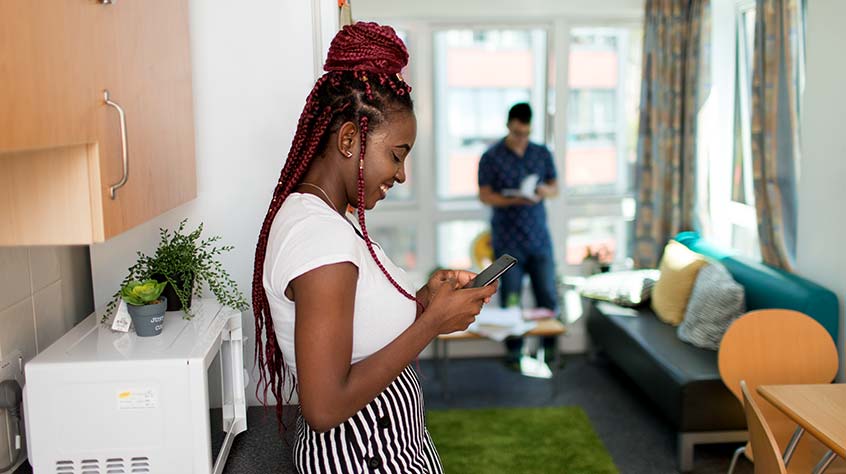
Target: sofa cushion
[
  {"x": 627, "y": 288},
  {"x": 715, "y": 302},
  {"x": 679, "y": 267}
]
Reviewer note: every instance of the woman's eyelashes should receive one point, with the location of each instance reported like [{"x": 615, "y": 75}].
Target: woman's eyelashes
[{"x": 396, "y": 158}]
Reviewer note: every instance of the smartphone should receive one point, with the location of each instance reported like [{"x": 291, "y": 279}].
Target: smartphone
[{"x": 494, "y": 271}]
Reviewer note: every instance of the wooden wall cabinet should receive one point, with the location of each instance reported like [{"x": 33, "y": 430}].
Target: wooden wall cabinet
[{"x": 61, "y": 144}]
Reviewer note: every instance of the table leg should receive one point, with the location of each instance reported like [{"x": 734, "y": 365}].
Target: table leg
[
  {"x": 826, "y": 461},
  {"x": 445, "y": 376},
  {"x": 437, "y": 359},
  {"x": 556, "y": 359},
  {"x": 791, "y": 445}
]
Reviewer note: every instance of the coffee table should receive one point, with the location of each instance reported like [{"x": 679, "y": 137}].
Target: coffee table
[{"x": 545, "y": 328}]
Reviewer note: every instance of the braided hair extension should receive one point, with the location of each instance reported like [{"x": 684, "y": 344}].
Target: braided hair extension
[{"x": 362, "y": 85}]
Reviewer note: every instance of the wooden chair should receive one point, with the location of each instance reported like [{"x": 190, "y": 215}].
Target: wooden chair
[
  {"x": 768, "y": 459},
  {"x": 778, "y": 346}
]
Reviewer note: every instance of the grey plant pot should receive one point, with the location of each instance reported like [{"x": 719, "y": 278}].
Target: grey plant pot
[{"x": 148, "y": 319}]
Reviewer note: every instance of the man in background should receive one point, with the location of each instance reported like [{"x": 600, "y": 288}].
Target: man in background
[{"x": 515, "y": 176}]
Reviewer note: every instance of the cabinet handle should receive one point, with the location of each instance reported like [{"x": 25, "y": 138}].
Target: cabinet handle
[
  {"x": 107, "y": 2},
  {"x": 125, "y": 151}
]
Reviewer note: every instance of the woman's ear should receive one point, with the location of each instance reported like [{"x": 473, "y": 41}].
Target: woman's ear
[{"x": 347, "y": 139}]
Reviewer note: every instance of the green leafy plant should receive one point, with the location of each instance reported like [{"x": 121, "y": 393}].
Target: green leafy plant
[
  {"x": 140, "y": 293},
  {"x": 187, "y": 263}
]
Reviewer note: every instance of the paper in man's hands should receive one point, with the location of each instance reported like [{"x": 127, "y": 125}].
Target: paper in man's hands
[{"x": 528, "y": 188}]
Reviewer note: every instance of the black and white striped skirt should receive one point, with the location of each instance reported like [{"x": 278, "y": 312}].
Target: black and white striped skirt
[{"x": 387, "y": 436}]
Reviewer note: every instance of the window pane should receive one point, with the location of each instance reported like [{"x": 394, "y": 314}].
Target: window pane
[
  {"x": 405, "y": 192},
  {"x": 738, "y": 172},
  {"x": 454, "y": 241},
  {"x": 740, "y": 179},
  {"x": 399, "y": 242},
  {"x": 480, "y": 74},
  {"x": 596, "y": 235},
  {"x": 602, "y": 116},
  {"x": 745, "y": 241}
]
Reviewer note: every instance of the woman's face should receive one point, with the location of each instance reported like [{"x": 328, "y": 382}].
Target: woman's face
[{"x": 388, "y": 147}]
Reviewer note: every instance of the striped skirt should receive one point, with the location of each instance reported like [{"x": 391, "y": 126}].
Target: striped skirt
[{"x": 387, "y": 436}]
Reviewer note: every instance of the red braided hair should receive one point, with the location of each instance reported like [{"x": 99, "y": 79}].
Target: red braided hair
[{"x": 362, "y": 85}]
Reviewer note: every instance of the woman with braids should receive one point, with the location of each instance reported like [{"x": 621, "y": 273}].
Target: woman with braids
[{"x": 337, "y": 317}]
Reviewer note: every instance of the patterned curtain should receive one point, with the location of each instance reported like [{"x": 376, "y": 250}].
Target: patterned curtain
[
  {"x": 666, "y": 159},
  {"x": 775, "y": 127}
]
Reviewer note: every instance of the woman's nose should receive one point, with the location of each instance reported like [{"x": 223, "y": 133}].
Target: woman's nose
[{"x": 400, "y": 176}]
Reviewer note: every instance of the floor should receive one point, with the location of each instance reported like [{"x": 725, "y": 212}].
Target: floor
[{"x": 637, "y": 438}]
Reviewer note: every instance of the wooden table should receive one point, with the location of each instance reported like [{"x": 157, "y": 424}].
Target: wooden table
[
  {"x": 819, "y": 409},
  {"x": 545, "y": 328}
]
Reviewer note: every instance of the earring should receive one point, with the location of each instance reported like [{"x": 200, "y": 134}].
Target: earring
[{"x": 348, "y": 154}]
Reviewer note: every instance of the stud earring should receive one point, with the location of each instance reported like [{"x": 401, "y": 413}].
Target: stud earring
[{"x": 348, "y": 154}]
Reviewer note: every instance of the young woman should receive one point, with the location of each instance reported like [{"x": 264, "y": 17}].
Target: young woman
[{"x": 339, "y": 319}]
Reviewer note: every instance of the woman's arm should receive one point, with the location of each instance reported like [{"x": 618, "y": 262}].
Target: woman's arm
[{"x": 330, "y": 388}]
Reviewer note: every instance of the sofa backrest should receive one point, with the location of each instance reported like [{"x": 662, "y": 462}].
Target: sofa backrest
[{"x": 768, "y": 287}]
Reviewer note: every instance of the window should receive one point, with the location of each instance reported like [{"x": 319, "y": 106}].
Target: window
[
  {"x": 405, "y": 192},
  {"x": 454, "y": 242},
  {"x": 398, "y": 242},
  {"x": 741, "y": 214},
  {"x": 479, "y": 75},
  {"x": 462, "y": 108},
  {"x": 741, "y": 181},
  {"x": 604, "y": 89},
  {"x": 603, "y": 95}
]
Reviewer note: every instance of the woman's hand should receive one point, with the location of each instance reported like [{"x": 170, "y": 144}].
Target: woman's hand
[
  {"x": 451, "y": 307},
  {"x": 462, "y": 277}
]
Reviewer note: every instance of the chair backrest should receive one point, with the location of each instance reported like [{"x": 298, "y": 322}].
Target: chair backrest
[
  {"x": 767, "y": 456},
  {"x": 775, "y": 347}
]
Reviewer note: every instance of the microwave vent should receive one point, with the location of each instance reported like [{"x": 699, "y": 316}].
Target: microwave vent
[{"x": 136, "y": 465}]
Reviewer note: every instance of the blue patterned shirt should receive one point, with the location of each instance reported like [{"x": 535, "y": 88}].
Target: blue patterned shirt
[{"x": 517, "y": 227}]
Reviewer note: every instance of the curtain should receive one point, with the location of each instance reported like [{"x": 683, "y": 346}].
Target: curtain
[
  {"x": 666, "y": 157},
  {"x": 776, "y": 80}
]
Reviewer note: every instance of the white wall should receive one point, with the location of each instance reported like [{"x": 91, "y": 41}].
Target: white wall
[
  {"x": 822, "y": 220},
  {"x": 44, "y": 292},
  {"x": 252, "y": 70}
]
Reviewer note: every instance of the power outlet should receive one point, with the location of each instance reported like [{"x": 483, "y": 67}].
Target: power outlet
[{"x": 12, "y": 367}]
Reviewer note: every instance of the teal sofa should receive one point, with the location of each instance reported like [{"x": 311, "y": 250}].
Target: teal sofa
[{"x": 683, "y": 381}]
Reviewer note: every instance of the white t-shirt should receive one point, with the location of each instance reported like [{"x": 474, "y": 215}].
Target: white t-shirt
[{"x": 307, "y": 234}]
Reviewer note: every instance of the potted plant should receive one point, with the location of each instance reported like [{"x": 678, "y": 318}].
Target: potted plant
[
  {"x": 186, "y": 263},
  {"x": 146, "y": 306}
]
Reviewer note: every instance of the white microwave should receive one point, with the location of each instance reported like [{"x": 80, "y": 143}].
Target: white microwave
[{"x": 102, "y": 402}]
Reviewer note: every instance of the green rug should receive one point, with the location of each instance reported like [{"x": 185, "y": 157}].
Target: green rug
[{"x": 518, "y": 440}]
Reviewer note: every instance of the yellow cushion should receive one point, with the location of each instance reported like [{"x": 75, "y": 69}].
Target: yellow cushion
[{"x": 679, "y": 267}]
